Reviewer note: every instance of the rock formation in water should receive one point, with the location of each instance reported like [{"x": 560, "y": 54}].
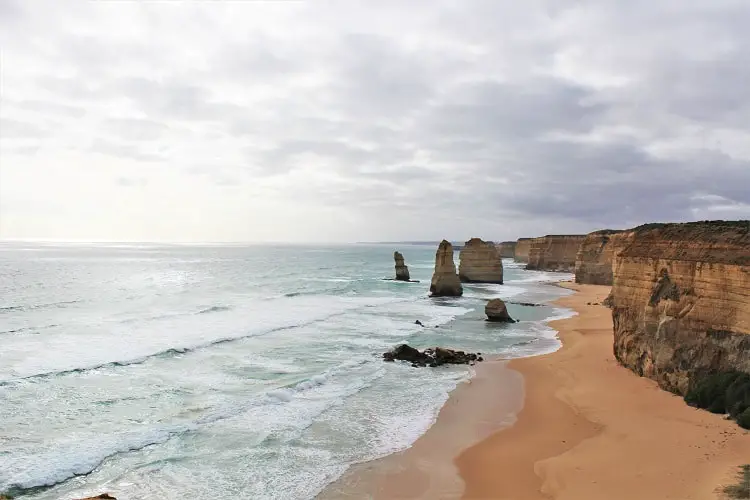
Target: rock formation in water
[
  {"x": 103, "y": 496},
  {"x": 402, "y": 271},
  {"x": 554, "y": 252},
  {"x": 523, "y": 245},
  {"x": 681, "y": 301},
  {"x": 432, "y": 357},
  {"x": 595, "y": 258},
  {"x": 480, "y": 262},
  {"x": 496, "y": 311},
  {"x": 507, "y": 249},
  {"x": 445, "y": 282}
]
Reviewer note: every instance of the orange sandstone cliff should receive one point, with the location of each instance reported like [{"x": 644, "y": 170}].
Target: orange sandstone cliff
[
  {"x": 681, "y": 301},
  {"x": 595, "y": 258},
  {"x": 554, "y": 252},
  {"x": 522, "y": 250}
]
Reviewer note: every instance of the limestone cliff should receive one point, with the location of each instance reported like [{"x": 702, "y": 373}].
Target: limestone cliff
[
  {"x": 554, "y": 252},
  {"x": 522, "y": 250},
  {"x": 681, "y": 301},
  {"x": 445, "y": 282},
  {"x": 402, "y": 271},
  {"x": 480, "y": 262},
  {"x": 507, "y": 249},
  {"x": 595, "y": 257}
]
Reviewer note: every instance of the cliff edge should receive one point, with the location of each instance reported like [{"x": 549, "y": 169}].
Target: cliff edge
[
  {"x": 522, "y": 250},
  {"x": 595, "y": 258},
  {"x": 554, "y": 252},
  {"x": 681, "y": 301}
]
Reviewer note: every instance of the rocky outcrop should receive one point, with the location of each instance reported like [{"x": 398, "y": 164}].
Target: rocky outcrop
[
  {"x": 496, "y": 311},
  {"x": 554, "y": 252},
  {"x": 480, "y": 262},
  {"x": 595, "y": 258},
  {"x": 523, "y": 245},
  {"x": 445, "y": 282},
  {"x": 681, "y": 301},
  {"x": 402, "y": 271},
  {"x": 507, "y": 249},
  {"x": 103, "y": 496},
  {"x": 432, "y": 357}
]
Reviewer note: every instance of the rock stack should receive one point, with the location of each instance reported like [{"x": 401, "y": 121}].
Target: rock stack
[
  {"x": 432, "y": 357},
  {"x": 402, "y": 271},
  {"x": 480, "y": 263},
  {"x": 496, "y": 311},
  {"x": 445, "y": 282}
]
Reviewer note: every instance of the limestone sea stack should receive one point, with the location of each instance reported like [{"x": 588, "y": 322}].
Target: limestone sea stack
[
  {"x": 445, "y": 282},
  {"x": 681, "y": 302},
  {"x": 523, "y": 245},
  {"x": 402, "y": 271},
  {"x": 480, "y": 262},
  {"x": 554, "y": 252},
  {"x": 496, "y": 311},
  {"x": 507, "y": 249}
]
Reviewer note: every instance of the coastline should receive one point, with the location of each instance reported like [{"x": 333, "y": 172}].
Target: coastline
[{"x": 572, "y": 424}]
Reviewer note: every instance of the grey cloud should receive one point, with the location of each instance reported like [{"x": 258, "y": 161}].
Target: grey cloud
[
  {"x": 48, "y": 107},
  {"x": 16, "y": 129},
  {"x": 135, "y": 129}
]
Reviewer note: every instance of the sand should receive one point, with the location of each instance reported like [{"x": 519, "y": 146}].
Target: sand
[
  {"x": 570, "y": 425},
  {"x": 592, "y": 430}
]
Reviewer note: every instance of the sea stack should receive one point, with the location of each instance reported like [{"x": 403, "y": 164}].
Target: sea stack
[
  {"x": 507, "y": 249},
  {"x": 445, "y": 282},
  {"x": 497, "y": 312},
  {"x": 521, "y": 252},
  {"x": 402, "y": 271},
  {"x": 480, "y": 262}
]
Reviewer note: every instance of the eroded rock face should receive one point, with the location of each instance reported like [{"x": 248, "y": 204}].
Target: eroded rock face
[
  {"x": 554, "y": 252},
  {"x": 432, "y": 357},
  {"x": 445, "y": 282},
  {"x": 480, "y": 262},
  {"x": 523, "y": 245},
  {"x": 681, "y": 301},
  {"x": 507, "y": 249},
  {"x": 402, "y": 271},
  {"x": 595, "y": 258},
  {"x": 497, "y": 311}
]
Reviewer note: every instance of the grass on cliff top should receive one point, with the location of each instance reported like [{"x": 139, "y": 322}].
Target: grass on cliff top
[
  {"x": 742, "y": 488},
  {"x": 723, "y": 393}
]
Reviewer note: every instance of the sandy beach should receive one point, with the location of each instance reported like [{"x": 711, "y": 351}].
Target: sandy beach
[
  {"x": 587, "y": 429},
  {"x": 590, "y": 429}
]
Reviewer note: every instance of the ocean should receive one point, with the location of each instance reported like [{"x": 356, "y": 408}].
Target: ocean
[{"x": 212, "y": 371}]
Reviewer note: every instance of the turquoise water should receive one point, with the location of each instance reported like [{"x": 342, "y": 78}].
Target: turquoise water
[{"x": 209, "y": 371}]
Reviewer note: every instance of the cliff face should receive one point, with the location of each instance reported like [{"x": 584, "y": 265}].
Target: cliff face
[
  {"x": 480, "y": 262},
  {"x": 522, "y": 249},
  {"x": 554, "y": 252},
  {"x": 445, "y": 282},
  {"x": 402, "y": 271},
  {"x": 595, "y": 258},
  {"x": 681, "y": 301},
  {"x": 507, "y": 249}
]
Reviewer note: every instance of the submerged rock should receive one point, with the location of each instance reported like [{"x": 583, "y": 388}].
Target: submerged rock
[
  {"x": 402, "y": 271},
  {"x": 445, "y": 282},
  {"x": 496, "y": 311},
  {"x": 103, "y": 496},
  {"x": 432, "y": 357}
]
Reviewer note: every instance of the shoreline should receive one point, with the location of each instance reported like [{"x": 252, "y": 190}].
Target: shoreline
[{"x": 572, "y": 424}]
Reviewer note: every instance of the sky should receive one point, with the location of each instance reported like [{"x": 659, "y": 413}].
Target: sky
[{"x": 335, "y": 121}]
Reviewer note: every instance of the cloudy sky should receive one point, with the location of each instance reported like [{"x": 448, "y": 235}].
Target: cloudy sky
[{"x": 382, "y": 120}]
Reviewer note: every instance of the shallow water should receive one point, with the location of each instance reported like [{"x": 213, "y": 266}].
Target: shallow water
[{"x": 210, "y": 371}]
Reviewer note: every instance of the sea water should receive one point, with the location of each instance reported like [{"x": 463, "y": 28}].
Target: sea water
[{"x": 173, "y": 371}]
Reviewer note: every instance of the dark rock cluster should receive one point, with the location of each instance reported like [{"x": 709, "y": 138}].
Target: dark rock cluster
[{"x": 433, "y": 357}]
